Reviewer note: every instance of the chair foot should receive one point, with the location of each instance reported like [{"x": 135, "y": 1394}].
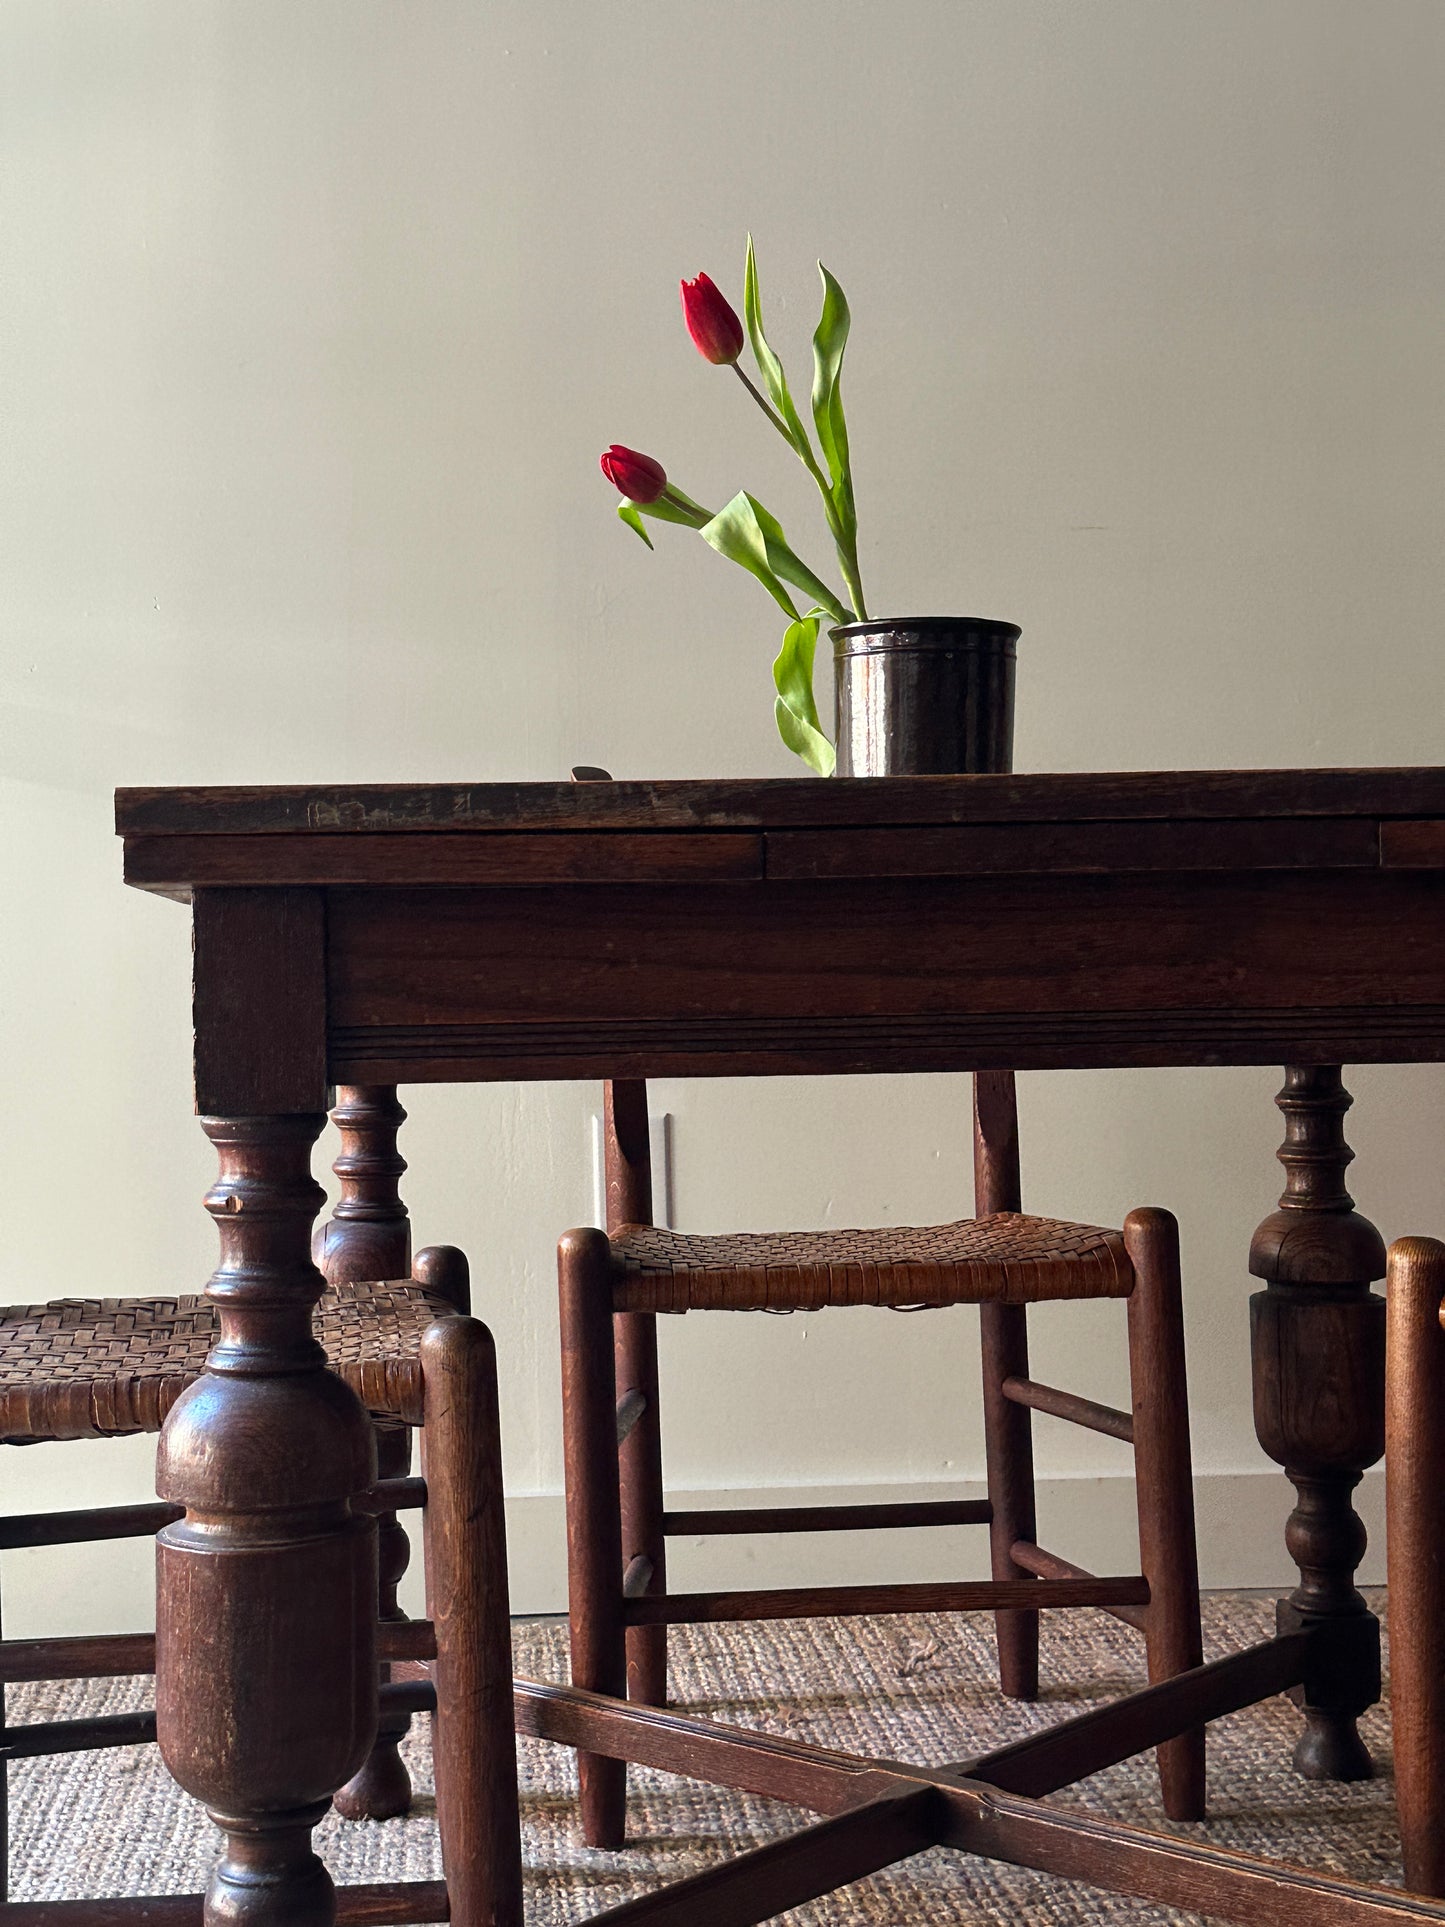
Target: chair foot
[
  {"x": 1181, "y": 1776},
  {"x": 603, "y": 1803}
]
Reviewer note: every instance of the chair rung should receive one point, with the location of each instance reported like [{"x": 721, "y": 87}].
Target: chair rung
[
  {"x": 1068, "y": 1405},
  {"x": 397, "y": 1902},
  {"x": 393, "y": 1495},
  {"x": 109, "y": 1655},
  {"x": 828, "y": 1602},
  {"x": 637, "y": 1578},
  {"x": 79, "y": 1528},
  {"x": 1050, "y": 1568},
  {"x": 827, "y": 1518},
  {"x": 40, "y": 1738}
]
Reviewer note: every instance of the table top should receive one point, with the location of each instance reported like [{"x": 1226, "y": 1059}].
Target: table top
[
  {"x": 493, "y": 931},
  {"x": 781, "y": 830}
]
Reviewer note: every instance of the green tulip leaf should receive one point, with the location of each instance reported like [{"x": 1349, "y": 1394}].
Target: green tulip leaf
[
  {"x": 746, "y": 533},
  {"x": 795, "y": 709},
  {"x": 631, "y": 514},
  {"x": 683, "y": 510},
  {"x": 735, "y": 533},
  {"x": 829, "y": 341},
  {"x": 769, "y": 367}
]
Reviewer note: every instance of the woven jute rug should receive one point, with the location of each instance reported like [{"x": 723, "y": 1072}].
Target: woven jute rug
[{"x": 905, "y": 1687}]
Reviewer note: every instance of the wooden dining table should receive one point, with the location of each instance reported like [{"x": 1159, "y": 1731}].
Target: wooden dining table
[{"x": 396, "y": 934}]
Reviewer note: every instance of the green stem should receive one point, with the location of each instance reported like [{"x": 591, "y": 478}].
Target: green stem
[
  {"x": 767, "y": 407},
  {"x": 685, "y": 504},
  {"x": 852, "y": 580}
]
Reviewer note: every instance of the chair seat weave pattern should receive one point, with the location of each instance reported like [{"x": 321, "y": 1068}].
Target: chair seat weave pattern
[
  {"x": 1006, "y": 1258},
  {"x": 99, "y": 1367}
]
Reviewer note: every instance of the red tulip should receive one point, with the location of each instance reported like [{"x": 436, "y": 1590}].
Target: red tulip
[
  {"x": 714, "y": 327},
  {"x": 639, "y": 477}
]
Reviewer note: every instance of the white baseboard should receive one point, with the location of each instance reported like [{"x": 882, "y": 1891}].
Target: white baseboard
[{"x": 108, "y": 1587}]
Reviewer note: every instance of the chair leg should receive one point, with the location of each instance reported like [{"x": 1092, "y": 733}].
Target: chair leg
[
  {"x": 1009, "y": 1448},
  {"x": 594, "y": 1520},
  {"x": 1165, "y": 1488},
  {"x": 1414, "y": 1455},
  {"x": 466, "y": 1569},
  {"x": 639, "y": 1465}
]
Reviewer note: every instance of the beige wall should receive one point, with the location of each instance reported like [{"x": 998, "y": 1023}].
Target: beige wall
[{"x": 313, "y": 322}]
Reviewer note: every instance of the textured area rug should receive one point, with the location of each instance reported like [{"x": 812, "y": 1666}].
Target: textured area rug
[{"x": 905, "y": 1687}]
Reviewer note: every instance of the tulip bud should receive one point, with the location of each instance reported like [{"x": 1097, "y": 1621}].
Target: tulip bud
[
  {"x": 639, "y": 477},
  {"x": 714, "y": 327}
]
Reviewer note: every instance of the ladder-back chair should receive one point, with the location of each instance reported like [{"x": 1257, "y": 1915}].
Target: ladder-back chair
[{"x": 614, "y": 1284}]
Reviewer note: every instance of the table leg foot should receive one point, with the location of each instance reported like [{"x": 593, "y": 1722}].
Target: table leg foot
[{"x": 269, "y": 1874}]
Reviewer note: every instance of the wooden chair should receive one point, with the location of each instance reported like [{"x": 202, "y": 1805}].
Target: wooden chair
[
  {"x": 96, "y": 1368},
  {"x": 614, "y": 1285},
  {"x": 1415, "y": 1538}
]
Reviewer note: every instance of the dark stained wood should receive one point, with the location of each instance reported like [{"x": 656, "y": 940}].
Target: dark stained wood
[
  {"x": 784, "y": 1874},
  {"x": 1029, "y": 1556},
  {"x": 83, "y": 1526},
  {"x": 1413, "y": 846},
  {"x": 627, "y": 1173},
  {"x": 179, "y": 863},
  {"x": 1070, "y": 1751},
  {"x": 817, "y": 1778},
  {"x": 1004, "y": 1354},
  {"x": 1164, "y": 1488},
  {"x": 111, "y": 1655},
  {"x": 372, "y": 1904},
  {"x": 259, "y": 977},
  {"x": 1087, "y": 1412},
  {"x": 39, "y": 1738},
  {"x": 926, "y": 1596},
  {"x": 1318, "y": 1341},
  {"x": 594, "y": 1517},
  {"x": 1299, "y": 918},
  {"x": 1414, "y": 1456},
  {"x": 444, "y": 1270},
  {"x": 790, "y": 1046},
  {"x": 785, "y": 802},
  {"x": 990, "y": 849},
  {"x": 894, "y": 974},
  {"x": 268, "y": 1586},
  {"x": 466, "y": 1572},
  {"x": 716, "y": 1521},
  {"x": 369, "y": 1236},
  {"x": 91, "y": 1656},
  {"x": 1191, "y": 1874},
  {"x": 1176, "y": 1871}
]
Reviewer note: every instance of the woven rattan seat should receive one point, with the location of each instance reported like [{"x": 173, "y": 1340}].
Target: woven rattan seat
[
  {"x": 1007, "y": 1258},
  {"x": 98, "y": 1367}
]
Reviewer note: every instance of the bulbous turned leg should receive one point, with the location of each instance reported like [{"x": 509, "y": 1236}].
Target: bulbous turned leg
[
  {"x": 1318, "y": 1341},
  {"x": 368, "y": 1236},
  {"x": 266, "y": 1619}
]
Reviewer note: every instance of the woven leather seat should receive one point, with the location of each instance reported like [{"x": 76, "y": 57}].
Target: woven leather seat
[
  {"x": 1005, "y": 1258},
  {"x": 98, "y": 1367}
]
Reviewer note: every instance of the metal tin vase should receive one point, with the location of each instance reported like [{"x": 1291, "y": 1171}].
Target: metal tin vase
[{"x": 924, "y": 696}]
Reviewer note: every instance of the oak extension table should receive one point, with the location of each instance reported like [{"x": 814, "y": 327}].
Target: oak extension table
[{"x": 390, "y": 934}]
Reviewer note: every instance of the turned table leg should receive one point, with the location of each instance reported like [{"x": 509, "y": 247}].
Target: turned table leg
[
  {"x": 1318, "y": 1339},
  {"x": 368, "y": 1236},
  {"x": 266, "y": 1623}
]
